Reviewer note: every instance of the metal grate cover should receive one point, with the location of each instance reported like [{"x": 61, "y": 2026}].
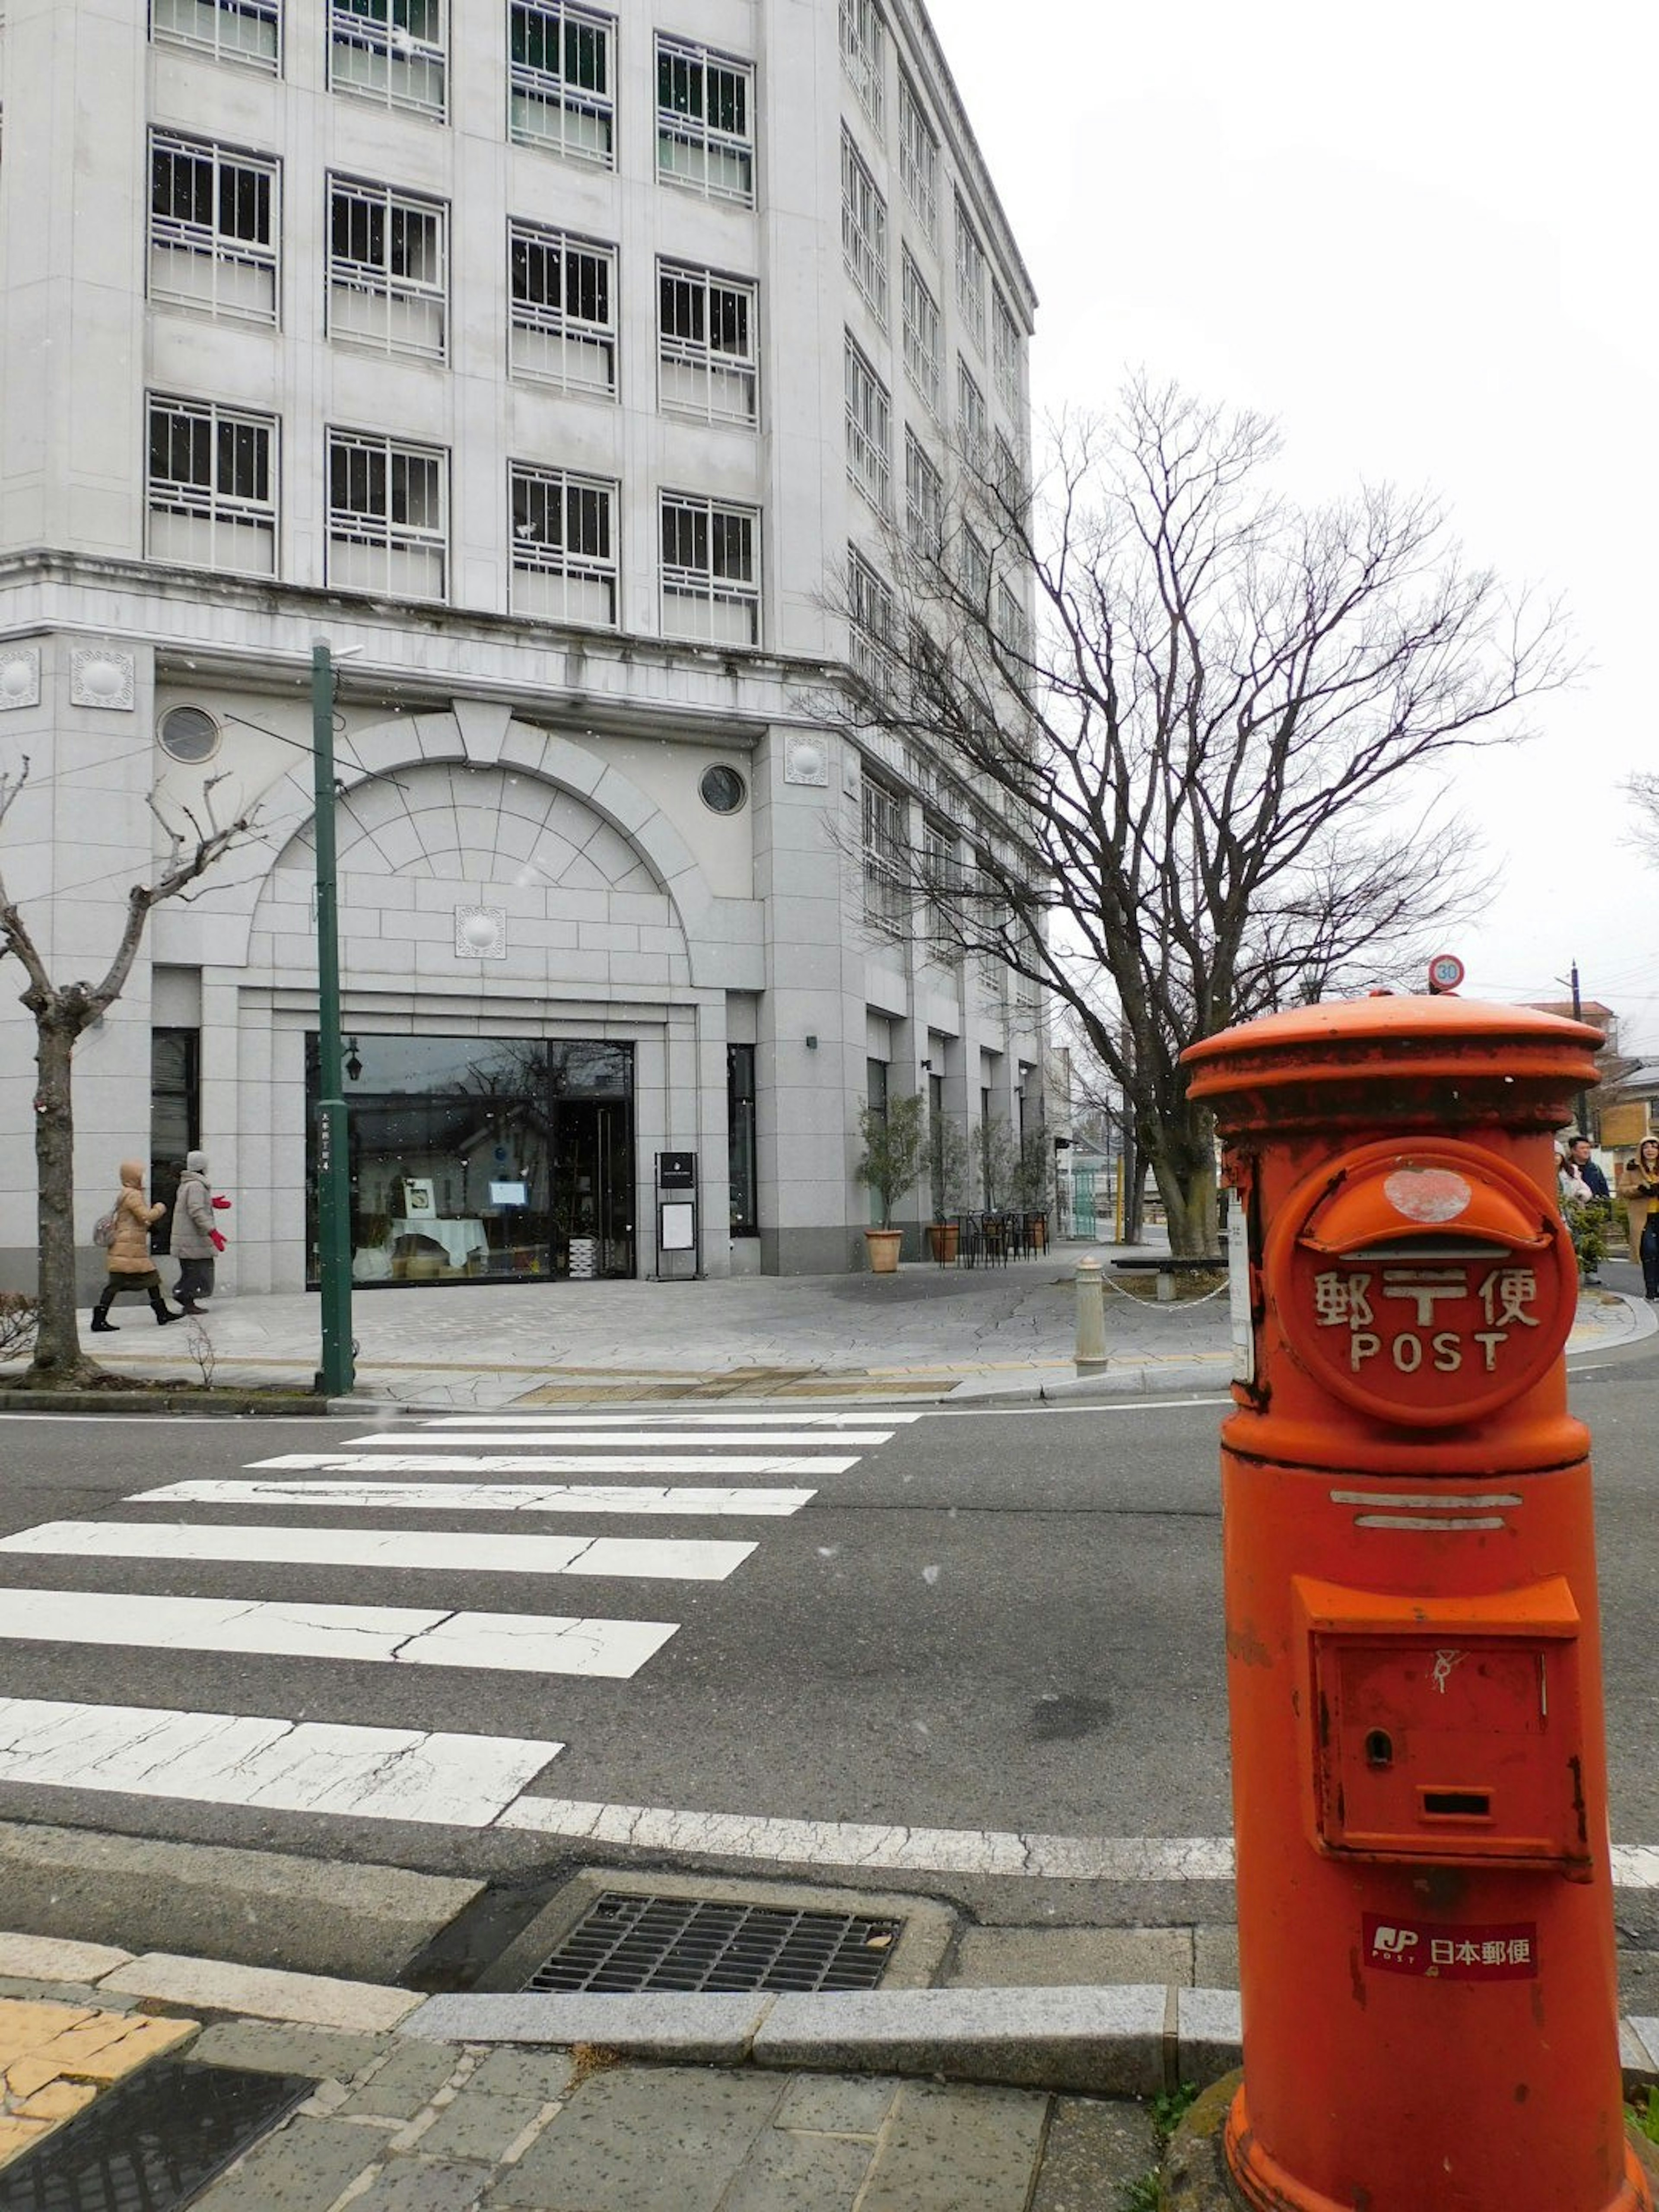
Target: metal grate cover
[
  {"x": 152, "y": 2141},
  {"x": 626, "y": 1943}
]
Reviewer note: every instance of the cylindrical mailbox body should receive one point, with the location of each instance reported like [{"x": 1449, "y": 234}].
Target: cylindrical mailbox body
[{"x": 1424, "y": 1900}]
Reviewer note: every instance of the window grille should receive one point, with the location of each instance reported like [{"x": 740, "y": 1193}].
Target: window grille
[
  {"x": 870, "y": 620},
  {"x": 563, "y": 320},
  {"x": 918, "y": 160},
  {"x": 211, "y": 492},
  {"x": 970, "y": 275},
  {"x": 706, "y": 335},
  {"x": 1005, "y": 355},
  {"x": 391, "y": 51},
  {"x": 923, "y": 354},
  {"x": 924, "y": 499},
  {"x": 565, "y": 554},
  {"x": 885, "y": 905},
  {"x": 972, "y": 421},
  {"x": 386, "y": 280},
  {"x": 247, "y": 31},
  {"x": 864, "y": 57},
  {"x": 869, "y": 416},
  {"x": 944, "y": 877},
  {"x": 560, "y": 92},
  {"x": 863, "y": 230},
  {"x": 710, "y": 571},
  {"x": 387, "y": 522},
  {"x": 705, "y": 121},
  {"x": 213, "y": 229}
]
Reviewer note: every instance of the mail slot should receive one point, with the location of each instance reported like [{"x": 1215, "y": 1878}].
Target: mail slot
[{"x": 1426, "y": 1962}]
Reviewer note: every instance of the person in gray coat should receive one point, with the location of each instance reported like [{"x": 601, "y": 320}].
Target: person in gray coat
[{"x": 195, "y": 1237}]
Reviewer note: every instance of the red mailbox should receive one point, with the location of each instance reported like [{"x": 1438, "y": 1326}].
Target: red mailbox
[{"x": 1424, "y": 1900}]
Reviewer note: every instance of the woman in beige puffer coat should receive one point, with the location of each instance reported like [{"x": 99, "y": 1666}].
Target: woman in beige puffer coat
[{"x": 131, "y": 1265}]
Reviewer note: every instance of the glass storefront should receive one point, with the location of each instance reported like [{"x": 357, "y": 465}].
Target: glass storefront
[{"x": 482, "y": 1158}]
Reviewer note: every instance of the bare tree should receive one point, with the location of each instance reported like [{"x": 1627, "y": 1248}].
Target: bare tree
[
  {"x": 1199, "y": 785},
  {"x": 61, "y": 1012},
  {"x": 1641, "y": 790}
]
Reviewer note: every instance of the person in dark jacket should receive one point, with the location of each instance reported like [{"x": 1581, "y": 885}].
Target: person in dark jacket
[
  {"x": 131, "y": 1267},
  {"x": 1578, "y": 1151},
  {"x": 194, "y": 1238}
]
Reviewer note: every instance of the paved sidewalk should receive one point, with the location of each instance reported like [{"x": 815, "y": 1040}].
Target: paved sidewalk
[{"x": 926, "y": 1335}]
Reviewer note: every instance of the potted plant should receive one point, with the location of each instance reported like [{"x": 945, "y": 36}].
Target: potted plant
[
  {"x": 894, "y": 1137},
  {"x": 1031, "y": 1183},
  {"x": 951, "y": 1182}
]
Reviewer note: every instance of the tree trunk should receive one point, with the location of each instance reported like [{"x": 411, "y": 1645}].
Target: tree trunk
[
  {"x": 1183, "y": 1166},
  {"x": 58, "y": 1354}
]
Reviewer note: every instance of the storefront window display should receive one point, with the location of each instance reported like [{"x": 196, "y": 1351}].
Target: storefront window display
[{"x": 482, "y": 1158}]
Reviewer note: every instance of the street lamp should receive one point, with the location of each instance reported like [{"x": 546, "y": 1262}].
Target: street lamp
[{"x": 337, "y": 1377}]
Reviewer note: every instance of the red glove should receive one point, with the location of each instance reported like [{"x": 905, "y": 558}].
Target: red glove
[
  {"x": 217, "y": 1241},
  {"x": 222, "y": 1205}
]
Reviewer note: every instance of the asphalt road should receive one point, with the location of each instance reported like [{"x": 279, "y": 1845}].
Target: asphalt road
[{"x": 1007, "y": 1620}]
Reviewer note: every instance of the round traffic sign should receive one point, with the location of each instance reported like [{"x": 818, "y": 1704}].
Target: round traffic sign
[{"x": 1445, "y": 972}]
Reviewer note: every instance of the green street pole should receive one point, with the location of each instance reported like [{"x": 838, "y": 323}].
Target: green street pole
[{"x": 337, "y": 1377}]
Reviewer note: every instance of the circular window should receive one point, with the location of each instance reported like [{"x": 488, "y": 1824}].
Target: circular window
[
  {"x": 722, "y": 789},
  {"x": 189, "y": 733}
]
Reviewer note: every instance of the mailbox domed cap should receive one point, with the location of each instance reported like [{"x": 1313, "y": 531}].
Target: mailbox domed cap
[{"x": 1458, "y": 1041}]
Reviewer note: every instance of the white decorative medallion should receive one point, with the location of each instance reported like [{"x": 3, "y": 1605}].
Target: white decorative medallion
[
  {"x": 480, "y": 933},
  {"x": 807, "y": 761},
  {"x": 101, "y": 679},
  {"x": 20, "y": 676}
]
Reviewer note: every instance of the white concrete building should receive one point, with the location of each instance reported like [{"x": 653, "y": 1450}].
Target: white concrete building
[{"x": 550, "y": 362}]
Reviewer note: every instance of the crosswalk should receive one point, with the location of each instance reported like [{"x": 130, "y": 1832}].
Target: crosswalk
[{"x": 341, "y": 1511}]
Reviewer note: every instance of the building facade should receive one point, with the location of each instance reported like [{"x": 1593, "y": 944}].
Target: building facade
[{"x": 556, "y": 365}]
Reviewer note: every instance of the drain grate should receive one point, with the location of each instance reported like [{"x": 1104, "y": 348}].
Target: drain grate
[
  {"x": 626, "y": 1943},
  {"x": 152, "y": 2141}
]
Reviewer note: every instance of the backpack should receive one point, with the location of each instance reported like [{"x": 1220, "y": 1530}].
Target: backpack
[{"x": 103, "y": 1230}]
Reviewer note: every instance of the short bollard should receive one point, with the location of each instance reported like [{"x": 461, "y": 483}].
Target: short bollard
[{"x": 1091, "y": 1316}]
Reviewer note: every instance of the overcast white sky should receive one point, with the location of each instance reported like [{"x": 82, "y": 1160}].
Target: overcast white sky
[{"x": 1423, "y": 241}]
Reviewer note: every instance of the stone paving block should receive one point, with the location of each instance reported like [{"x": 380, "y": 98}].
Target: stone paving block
[
  {"x": 55, "y": 2101},
  {"x": 662, "y": 2139},
  {"x": 411, "y": 2078},
  {"x": 543, "y": 2074},
  {"x": 26, "y": 2026},
  {"x": 325, "y": 2054},
  {"x": 1102, "y": 2042},
  {"x": 101, "y": 2046},
  {"x": 265, "y": 1992},
  {"x": 703, "y": 2031},
  {"x": 1209, "y": 2034},
  {"x": 1095, "y": 2150},
  {"x": 478, "y": 2126},
  {"x": 18, "y": 2135},
  {"x": 420, "y": 2185},
  {"x": 958, "y": 2150},
  {"x": 786, "y": 2173},
  {"x": 835, "y": 2104},
  {"x": 1646, "y": 2034},
  {"x": 1215, "y": 1957},
  {"x": 303, "y": 2167},
  {"x": 1054, "y": 1958},
  {"x": 48, "y": 1958},
  {"x": 82, "y": 1995}
]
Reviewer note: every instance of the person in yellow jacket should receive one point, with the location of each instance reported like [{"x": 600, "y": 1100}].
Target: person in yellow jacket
[
  {"x": 1638, "y": 1186},
  {"x": 131, "y": 1265}
]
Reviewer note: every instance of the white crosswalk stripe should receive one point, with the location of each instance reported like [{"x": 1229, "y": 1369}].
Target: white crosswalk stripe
[
  {"x": 272, "y": 1762},
  {"x": 482, "y": 1497}
]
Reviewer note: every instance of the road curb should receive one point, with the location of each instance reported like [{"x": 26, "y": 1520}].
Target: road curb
[{"x": 287, "y": 1407}]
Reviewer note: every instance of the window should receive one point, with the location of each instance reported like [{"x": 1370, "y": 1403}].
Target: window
[
  {"x": 976, "y": 570},
  {"x": 563, "y": 326},
  {"x": 212, "y": 228},
  {"x": 392, "y": 51},
  {"x": 211, "y": 494},
  {"x": 705, "y": 364},
  {"x": 970, "y": 275},
  {"x": 743, "y": 1170},
  {"x": 710, "y": 573},
  {"x": 863, "y": 55},
  {"x": 885, "y": 906},
  {"x": 863, "y": 230},
  {"x": 922, "y": 352},
  {"x": 1005, "y": 354},
  {"x": 869, "y": 413},
  {"x": 918, "y": 159},
  {"x": 705, "y": 121},
  {"x": 232, "y": 30},
  {"x": 970, "y": 416},
  {"x": 924, "y": 499},
  {"x": 942, "y": 871},
  {"x": 870, "y": 620},
  {"x": 1010, "y": 621},
  {"x": 386, "y": 283},
  {"x": 721, "y": 789},
  {"x": 559, "y": 93},
  {"x": 387, "y": 527},
  {"x": 564, "y": 553}
]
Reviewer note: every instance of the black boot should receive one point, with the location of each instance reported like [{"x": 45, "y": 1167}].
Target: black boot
[
  {"x": 101, "y": 1323},
  {"x": 163, "y": 1312}
]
